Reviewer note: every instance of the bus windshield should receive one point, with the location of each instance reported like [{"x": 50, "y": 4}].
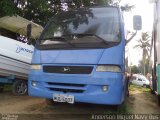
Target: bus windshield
[{"x": 96, "y": 26}]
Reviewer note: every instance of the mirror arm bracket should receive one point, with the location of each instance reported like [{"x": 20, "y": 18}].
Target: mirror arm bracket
[{"x": 128, "y": 40}]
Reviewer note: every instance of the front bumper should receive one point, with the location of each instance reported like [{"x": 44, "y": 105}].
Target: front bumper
[{"x": 85, "y": 88}]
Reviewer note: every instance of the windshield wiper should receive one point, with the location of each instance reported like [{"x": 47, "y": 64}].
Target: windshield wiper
[
  {"x": 79, "y": 35},
  {"x": 75, "y": 36},
  {"x": 53, "y": 38},
  {"x": 59, "y": 39}
]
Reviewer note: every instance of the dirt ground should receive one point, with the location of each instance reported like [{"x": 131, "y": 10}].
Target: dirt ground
[
  {"x": 139, "y": 102},
  {"x": 143, "y": 104}
]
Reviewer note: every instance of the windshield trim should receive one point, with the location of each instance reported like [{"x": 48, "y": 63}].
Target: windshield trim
[{"x": 70, "y": 47}]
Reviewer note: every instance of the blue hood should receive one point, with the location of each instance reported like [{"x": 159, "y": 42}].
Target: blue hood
[{"x": 111, "y": 55}]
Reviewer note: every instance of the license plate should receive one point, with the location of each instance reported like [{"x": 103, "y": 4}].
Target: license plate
[{"x": 63, "y": 98}]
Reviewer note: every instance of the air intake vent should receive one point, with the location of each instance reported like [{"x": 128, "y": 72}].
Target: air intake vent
[
  {"x": 66, "y": 87},
  {"x": 67, "y": 84},
  {"x": 66, "y": 90}
]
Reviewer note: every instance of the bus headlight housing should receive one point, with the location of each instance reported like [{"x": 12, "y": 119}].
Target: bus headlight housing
[
  {"x": 35, "y": 67},
  {"x": 34, "y": 84},
  {"x": 105, "y": 88},
  {"x": 108, "y": 68}
]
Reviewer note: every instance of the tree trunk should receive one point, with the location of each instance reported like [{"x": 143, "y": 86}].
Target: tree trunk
[
  {"x": 144, "y": 68},
  {"x": 144, "y": 61}
]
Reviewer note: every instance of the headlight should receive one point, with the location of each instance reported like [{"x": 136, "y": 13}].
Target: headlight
[
  {"x": 105, "y": 88},
  {"x": 108, "y": 68},
  {"x": 35, "y": 67},
  {"x": 34, "y": 84}
]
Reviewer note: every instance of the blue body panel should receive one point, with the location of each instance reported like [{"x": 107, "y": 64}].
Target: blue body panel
[
  {"x": 92, "y": 89},
  {"x": 93, "y": 83}
]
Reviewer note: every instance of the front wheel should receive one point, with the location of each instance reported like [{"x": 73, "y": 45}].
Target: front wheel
[
  {"x": 145, "y": 86},
  {"x": 20, "y": 87}
]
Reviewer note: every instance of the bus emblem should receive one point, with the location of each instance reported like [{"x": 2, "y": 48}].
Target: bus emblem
[{"x": 66, "y": 69}]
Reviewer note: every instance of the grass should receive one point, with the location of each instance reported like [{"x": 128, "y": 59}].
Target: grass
[
  {"x": 121, "y": 109},
  {"x": 126, "y": 108},
  {"x": 139, "y": 88}
]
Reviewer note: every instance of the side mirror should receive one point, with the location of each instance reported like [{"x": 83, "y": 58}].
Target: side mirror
[
  {"x": 29, "y": 31},
  {"x": 137, "y": 22}
]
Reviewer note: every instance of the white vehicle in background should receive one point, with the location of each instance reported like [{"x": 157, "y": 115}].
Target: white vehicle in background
[
  {"x": 15, "y": 56},
  {"x": 140, "y": 80}
]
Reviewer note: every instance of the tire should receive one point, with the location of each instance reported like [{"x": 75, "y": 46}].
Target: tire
[
  {"x": 144, "y": 85},
  {"x": 20, "y": 88},
  {"x": 50, "y": 102},
  {"x": 1, "y": 88}
]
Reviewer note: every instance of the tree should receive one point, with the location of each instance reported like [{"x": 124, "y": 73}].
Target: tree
[
  {"x": 7, "y": 7},
  {"x": 40, "y": 11},
  {"x": 146, "y": 68},
  {"x": 132, "y": 35},
  {"x": 144, "y": 45},
  {"x": 134, "y": 69}
]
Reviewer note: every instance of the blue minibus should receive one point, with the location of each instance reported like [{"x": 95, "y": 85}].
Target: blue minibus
[{"x": 80, "y": 57}]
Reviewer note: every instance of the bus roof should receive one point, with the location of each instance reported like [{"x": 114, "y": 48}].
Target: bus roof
[{"x": 19, "y": 24}]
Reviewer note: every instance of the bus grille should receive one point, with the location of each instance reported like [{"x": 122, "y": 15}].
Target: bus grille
[
  {"x": 66, "y": 87},
  {"x": 67, "y": 90},
  {"x": 68, "y": 69}
]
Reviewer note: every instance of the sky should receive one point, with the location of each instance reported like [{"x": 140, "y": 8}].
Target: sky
[{"x": 145, "y": 9}]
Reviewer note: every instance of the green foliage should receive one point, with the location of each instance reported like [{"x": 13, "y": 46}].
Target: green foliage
[
  {"x": 138, "y": 88},
  {"x": 127, "y": 7},
  {"x": 102, "y": 2},
  {"x": 134, "y": 69},
  {"x": 7, "y": 7},
  {"x": 40, "y": 11},
  {"x": 144, "y": 66},
  {"x": 144, "y": 45}
]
